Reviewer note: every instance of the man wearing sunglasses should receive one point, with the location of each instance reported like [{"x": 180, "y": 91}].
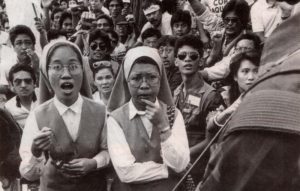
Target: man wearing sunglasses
[
  {"x": 22, "y": 80},
  {"x": 194, "y": 97}
]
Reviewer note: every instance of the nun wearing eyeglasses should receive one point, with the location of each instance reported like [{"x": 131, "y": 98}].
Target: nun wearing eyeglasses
[
  {"x": 64, "y": 139},
  {"x": 146, "y": 137}
]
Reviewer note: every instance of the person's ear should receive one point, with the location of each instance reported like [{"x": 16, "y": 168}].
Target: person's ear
[
  {"x": 176, "y": 62},
  {"x": 11, "y": 87},
  {"x": 235, "y": 78}
]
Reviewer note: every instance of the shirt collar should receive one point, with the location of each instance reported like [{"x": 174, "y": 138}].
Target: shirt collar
[
  {"x": 133, "y": 110},
  {"x": 75, "y": 107}
]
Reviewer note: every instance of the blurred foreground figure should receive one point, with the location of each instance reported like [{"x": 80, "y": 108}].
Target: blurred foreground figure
[{"x": 258, "y": 150}]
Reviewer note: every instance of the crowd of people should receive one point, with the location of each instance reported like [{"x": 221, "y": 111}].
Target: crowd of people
[{"x": 131, "y": 95}]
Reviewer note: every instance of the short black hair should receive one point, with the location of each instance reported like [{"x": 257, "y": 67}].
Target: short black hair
[
  {"x": 107, "y": 2},
  {"x": 240, "y": 8},
  {"x": 56, "y": 10},
  {"x": 109, "y": 20},
  {"x": 147, "y": 3},
  {"x": 54, "y": 34},
  {"x": 182, "y": 16},
  {"x": 21, "y": 29},
  {"x": 97, "y": 33},
  {"x": 254, "y": 38},
  {"x": 150, "y": 32},
  {"x": 167, "y": 40},
  {"x": 189, "y": 40},
  {"x": 114, "y": 34},
  {"x": 65, "y": 15},
  {"x": 21, "y": 67}
]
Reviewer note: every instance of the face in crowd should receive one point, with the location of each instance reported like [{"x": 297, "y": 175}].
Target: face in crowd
[
  {"x": 151, "y": 41},
  {"x": 143, "y": 83},
  {"x": 188, "y": 60},
  {"x": 167, "y": 55},
  {"x": 244, "y": 45},
  {"x": 64, "y": 5},
  {"x": 56, "y": 18},
  {"x": 180, "y": 28},
  {"x": 23, "y": 43},
  {"x": 115, "y": 8},
  {"x": 104, "y": 80},
  {"x": 246, "y": 75},
  {"x": 65, "y": 74},
  {"x": 68, "y": 27},
  {"x": 98, "y": 49},
  {"x": 23, "y": 84},
  {"x": 233, "y": 25},
  {"x": 122, "y": 29},
  {"x": 103, "y": 25},
  {"x": 95, "y": 5},
  {"x": 154, "y": 18}
]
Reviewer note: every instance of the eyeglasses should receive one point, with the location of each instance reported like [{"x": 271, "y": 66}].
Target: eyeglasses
[
  {"x": 102, "y": 63},
  {"x": 151, "y": 79},
  {"x": 233, "y": 20},
  {"x": 193, "y": 55},
  {"x": 72, "y": 68},
  {"x": 243, "y": 49},
  {"x": 161, "y": 50},
  {"x": 18, "y": 82},
  {"x": 96, "y": 45}
]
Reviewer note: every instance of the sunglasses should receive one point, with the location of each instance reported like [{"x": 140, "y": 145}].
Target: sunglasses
[
  {"x": 95, "y": 45},
  {"x": 101, "y": 64},
  {"x": 18, "y": 82},
  {"x": 193, "y": 55},
  {"x": 227, "y": 20}
]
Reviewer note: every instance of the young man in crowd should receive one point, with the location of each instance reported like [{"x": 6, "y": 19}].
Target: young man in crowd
[
  {"x": 194, "y": 97},
  {"x": 150, "y": 37},
  {"x": 156, "y": 18},
  {"x": 96, "y": 7},
  {"x": 181, "y": 23},
  {"x": 23, "y": 41},
  {"x": 22, "y": 80},
  {"x": 166, "y": 45}
]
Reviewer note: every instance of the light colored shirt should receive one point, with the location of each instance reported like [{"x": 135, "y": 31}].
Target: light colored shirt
[
  {"x": 20, "y": 114},
  {"x": 31, "y": 167},
  {"x": 8, "y": 58},
  {"x": 265, "y": 17},
  {"x": 96, "y": 98},
  {"x": 220, "y": 70},
  {"x": 174, "y": 151},
  {"x": 164, "y": 27}
]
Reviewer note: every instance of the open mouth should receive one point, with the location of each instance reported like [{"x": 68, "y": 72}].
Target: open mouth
[
  {"x": 188, "y": 67},
  {"x": 67, "y": 87}
]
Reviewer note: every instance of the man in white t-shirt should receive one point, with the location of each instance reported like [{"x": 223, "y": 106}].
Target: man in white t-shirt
[
  {"x": 266, "y": 15},
  {"x": 156, "y": 19}
]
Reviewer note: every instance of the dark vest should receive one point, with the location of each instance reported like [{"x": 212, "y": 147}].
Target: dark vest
[
  {"x": 87, "y": 145},
  {"x": 143, "y": 149}
]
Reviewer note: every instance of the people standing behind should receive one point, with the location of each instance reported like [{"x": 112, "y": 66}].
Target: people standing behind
[
  {"x": 104, "y": 22},
  {"x": 234, "y": 22},
  {"x": 66, "y": 25},
  {"x": 156, "y": 18},
  {"x": 104, "y": 79},
  {"x": 55, "y": 17},
  {"x": 181, "y": 23},
  {"x": 127, "y": 31},
  {"x": 266, "y": 15},
  {"x": 23, "y": 42},
  {"x": 194, "y": 97},
  {"x": 67, "y": 149},
  {"x": 22, "y": 81},
  {"x": 96, "y": 7},
  {"x": 150, "y": 37},
  {"x": 166, "y": 45},
  {"x": 144, "y": 127},
  {"x": 220, "y": 70},
  {"x": 119, "y": 50},
  {"x": 115, "y": 8}
]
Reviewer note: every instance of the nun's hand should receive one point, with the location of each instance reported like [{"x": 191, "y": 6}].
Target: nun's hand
[
  {"x": 41, "y": 142},
  {"x": 156, "y": 115},
  {"x": 79, "y": 167}
]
